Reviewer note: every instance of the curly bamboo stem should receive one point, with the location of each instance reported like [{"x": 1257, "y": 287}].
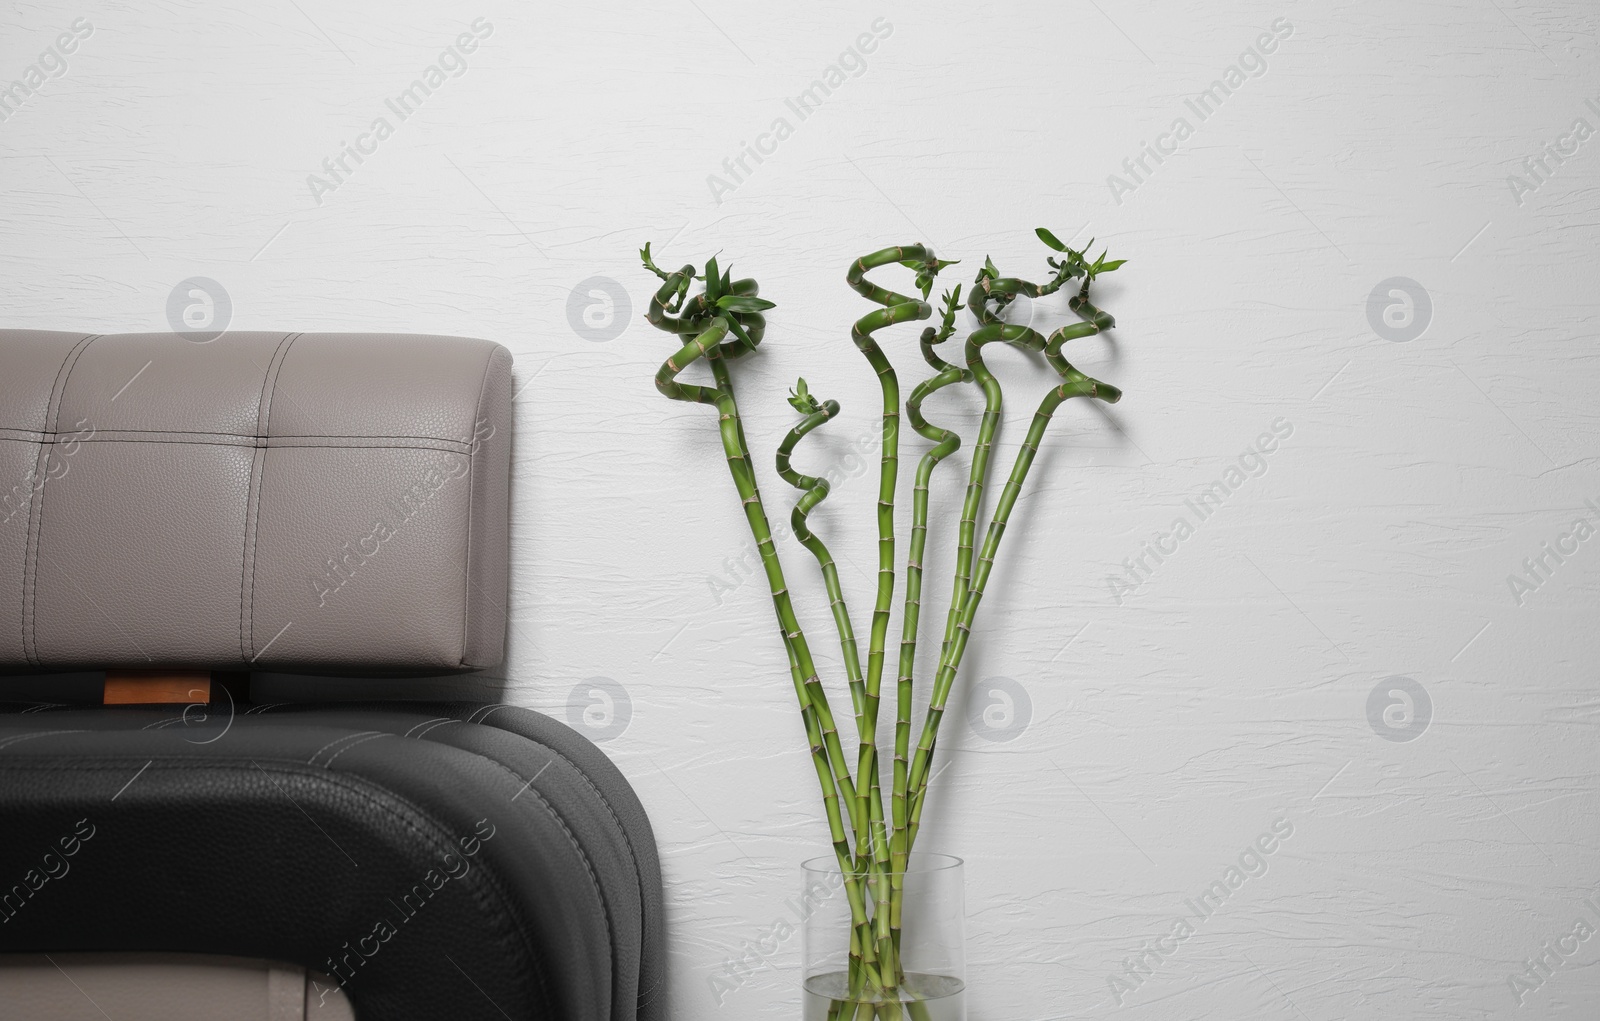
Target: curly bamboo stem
[
  {"x": 898, "y": 308},
  {"x": 748, "y": 329},
  {"x": 990, "y": 294},
  {"x": 946, "y": 442},
  {"x": 816, "y": 490},
  {"x": 826, "y": 754},
  {"x": 1075, "y": 384}
]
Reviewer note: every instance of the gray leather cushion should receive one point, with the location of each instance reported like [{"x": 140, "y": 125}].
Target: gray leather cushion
[
  {"x": 295, "y": 501},
  {"x": 340, "y": 838}
]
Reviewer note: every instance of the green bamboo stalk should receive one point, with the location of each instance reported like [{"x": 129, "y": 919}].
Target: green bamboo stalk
[
  {"x": 740, "y": 301},
  {"x": 815, "y": 695},
  {"x": 945, "y": 443},
  {"x": 898, "y": 308},
  {"x": 1080, "y": 387},
  {"x": 814, "y": 491},
  {"x": 1075, "y": 384},
  {"x": 818, "y": 721},
  {"x": 990, "y": 295},
  {"x": 991, "y": 288}
]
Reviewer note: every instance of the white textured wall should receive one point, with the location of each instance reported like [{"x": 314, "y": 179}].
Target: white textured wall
[{"x": 1164, "y": 733}]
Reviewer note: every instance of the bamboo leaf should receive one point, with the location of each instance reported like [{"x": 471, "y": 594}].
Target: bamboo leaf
[
  {"x": 713, "y": 280},
  {"x": 649, "y": 264},
  {"x": 1050, "y": 239},
  {"x": 801, "y": 400},
  {"x": 742, "y": 303}
]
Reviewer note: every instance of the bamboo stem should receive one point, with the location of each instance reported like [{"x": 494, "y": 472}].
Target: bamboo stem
[
  {"x": 744, "y": 479},
  {"x": 898, "y": 308},
  {"x": 990, "y": 294},
  {"x": 945, "y": 443},
  {"x": 1075, "y": 384},
  {"x": 822, "y": 739},
  {"x": 816, "y": 490}
]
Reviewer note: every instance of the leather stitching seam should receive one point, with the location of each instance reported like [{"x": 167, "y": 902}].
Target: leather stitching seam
[
  {"x": 258, "y": 474},
  {"x": 577, "y": 848},
  {"x": 58, "y": 389},
  {"x": 480, "y": 717}
]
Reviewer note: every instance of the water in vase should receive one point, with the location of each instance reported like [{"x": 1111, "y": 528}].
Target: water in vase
[{"x": 925, "y": 998}]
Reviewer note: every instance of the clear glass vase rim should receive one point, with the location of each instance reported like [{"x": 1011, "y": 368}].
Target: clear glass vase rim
[{"x": 918, "y": 863}]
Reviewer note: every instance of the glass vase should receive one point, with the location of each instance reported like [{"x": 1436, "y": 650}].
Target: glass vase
[{"x": 846, "y": 939}]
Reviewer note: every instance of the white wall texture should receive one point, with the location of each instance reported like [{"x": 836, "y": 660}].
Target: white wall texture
[{"x": 1155, "y": 737}]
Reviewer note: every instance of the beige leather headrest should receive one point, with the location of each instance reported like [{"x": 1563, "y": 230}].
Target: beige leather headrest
[{"x": 293, "y": 501}]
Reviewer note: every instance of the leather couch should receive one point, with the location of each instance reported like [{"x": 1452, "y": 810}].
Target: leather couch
[{"x": 184, "y": 513}]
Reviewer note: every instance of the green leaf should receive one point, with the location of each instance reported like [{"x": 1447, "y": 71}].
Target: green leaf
[
  {"x": 801, "y": 400},
  {"x": 713, "y": 281},
  {"x": 745, "y": 343},
  {"x": 1113, "y": 264},
  {"x": 649, "y": 264},
  {"x": 1050, "y": 239},
  {"x": 743, "y": 303}
]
